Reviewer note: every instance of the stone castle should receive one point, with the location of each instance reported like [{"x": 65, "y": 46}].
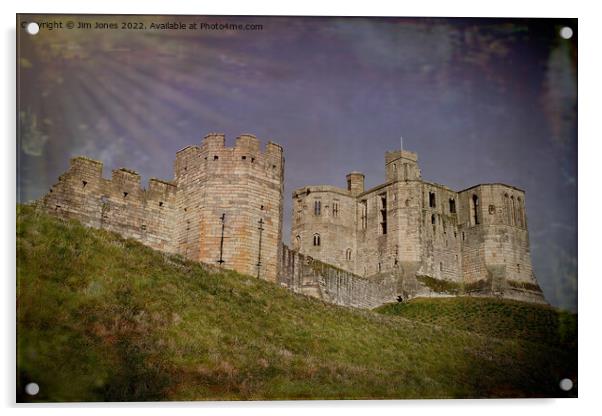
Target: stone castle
[{"x": 355, "y": 247}]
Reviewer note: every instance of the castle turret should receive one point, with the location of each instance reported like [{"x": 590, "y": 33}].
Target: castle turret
[
  {"x": 355, "y": 183},
  {"x": 401, "y": 165}
]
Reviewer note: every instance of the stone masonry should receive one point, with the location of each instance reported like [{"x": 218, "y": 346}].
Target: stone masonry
[
  {"x": 354, "y": 247},
  {"x": 238, "y": 190},
  {"x": 429, "y": 239}
]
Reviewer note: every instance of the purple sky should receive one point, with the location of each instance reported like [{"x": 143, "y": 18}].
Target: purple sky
[{"x": 480, "y": 100}]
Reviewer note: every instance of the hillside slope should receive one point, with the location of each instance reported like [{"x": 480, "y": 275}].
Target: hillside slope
[{"x": 103, "y": 318}]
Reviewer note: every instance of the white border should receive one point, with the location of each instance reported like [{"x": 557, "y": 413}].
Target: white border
[{"x": 589, "y": 200}]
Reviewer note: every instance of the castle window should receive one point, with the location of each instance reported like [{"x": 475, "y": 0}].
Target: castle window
[
  {"x": 452, "y": 206},
  {"x": 243, "y": 157},
  {"x": 440, "y": 266},
  {"x": 273, "y": 166},
  {"x": 475, "y": 210},
  {"x": 364, "y": 213},
  {"x": 335, "y": 208},
  {"x": 252, "y": 160},
  {"x": 125, "y": 194},
  {"x": 349, "y": 184},
  {"x": 348, "y": 254},
  {"x": 433, "y": 219},
  {"x": 84, "y": 183},
  {"x": 317, "y": 207},
  {"x": 161, "y": 203},
  {"x": 407, "y": 202},
  {"x": 298, "y": 240},
  {"x": 513, "y": 210},
  {"x": 379, "y": 267},
  {"x": 215, "y": 157},
  {"x": 143, "y": 227},
  {"x": 316, "y": 240},
  {"x": 432, "y": 202},
  {"x": 383, "y": 213},
  {"x": 455, "y": 234},
  {"x": 521, "y": 216},
  {"x": 405, "y": 171},
  {"x": 507, "y": 208},
  {"x": 262, "y": 208},
  {"x": 463, "y": 236}
]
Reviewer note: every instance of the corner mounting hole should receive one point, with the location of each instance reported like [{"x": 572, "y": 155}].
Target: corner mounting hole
[
  {"x": 32, "y": 28},
  {"x": 32, "y": 389},
  {"x": 566, "y": 384},
  {"x": 566, "y": 32}
]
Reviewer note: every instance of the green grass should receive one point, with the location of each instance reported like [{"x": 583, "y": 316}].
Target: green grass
[{"x": 101, "y": 318}]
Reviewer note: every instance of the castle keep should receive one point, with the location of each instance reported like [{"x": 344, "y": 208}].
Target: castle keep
[
  {"x": 223, "y": 207},
  {"x": 416, "y": 238},
  {"x": 356, "y": 247}
]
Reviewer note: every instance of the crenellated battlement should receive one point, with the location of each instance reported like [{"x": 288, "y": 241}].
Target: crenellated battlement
[
  {"x": 214, "y": 157},
  {"x": 216, "y": 189}
]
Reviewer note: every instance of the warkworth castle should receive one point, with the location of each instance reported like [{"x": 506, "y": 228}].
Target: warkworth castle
[{"x": 356, "y": 247}]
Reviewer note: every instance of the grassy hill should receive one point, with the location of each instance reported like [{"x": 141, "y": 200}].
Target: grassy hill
[{"x": 104, "y": 318}]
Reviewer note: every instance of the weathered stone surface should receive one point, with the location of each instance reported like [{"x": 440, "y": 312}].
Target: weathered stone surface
[
  {"x": 408, "y": 228},
  {"x": 184, "y": 216},
  {"x": 354, "y": 247}
]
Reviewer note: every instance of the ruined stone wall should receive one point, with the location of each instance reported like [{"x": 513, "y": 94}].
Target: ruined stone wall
[
  {"x": 118, "y": 204},
  {"x": 305, "y": 275}
]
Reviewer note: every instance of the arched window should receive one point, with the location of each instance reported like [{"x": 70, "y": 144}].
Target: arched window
[
  {"x": 316, "y": 239},
  {"x": 348, "y": 254},
  {"x": 317, "y": 207},
  {"x": 298, "y": 241}
]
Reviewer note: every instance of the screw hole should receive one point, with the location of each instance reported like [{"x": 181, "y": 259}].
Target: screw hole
[
  {"x": 32, "y": 28},
  {"x": 566, "y": 384},
  {"x": 32, "y": 389},
  {"x": 566, "y": 32}
]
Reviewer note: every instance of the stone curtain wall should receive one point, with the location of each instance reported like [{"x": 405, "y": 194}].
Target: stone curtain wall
[
  {"x": 305, "y": 275},
  {"x": 118, "y": 204},
  {"x": 184, "y": 216}
]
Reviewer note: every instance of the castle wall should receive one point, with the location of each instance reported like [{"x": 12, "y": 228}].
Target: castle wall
[
  {"x": 428, "y": 238},
  {"x": 440, "y": 241},
  {"x": 244, "y": 183},
  {"x": 118, "y": 204},
  {"x": 305, "y": 275},
  {"x": 499, "y": 244},
  {"x": 333, "y": 222}
]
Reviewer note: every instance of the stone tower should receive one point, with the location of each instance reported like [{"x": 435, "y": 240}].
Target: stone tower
[{"x": 238, "y": 190}]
